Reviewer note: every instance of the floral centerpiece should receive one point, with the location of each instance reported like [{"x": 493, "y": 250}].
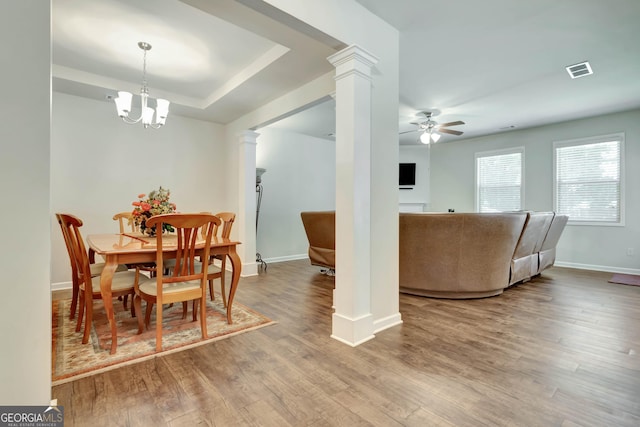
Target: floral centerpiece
[{"x": 157, "y": 203}]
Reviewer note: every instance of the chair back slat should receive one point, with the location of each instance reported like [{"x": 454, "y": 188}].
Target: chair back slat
[
  {"x": 126, "y": 217},
  {"x": 71, "y": 229},
  {"x": 68, "y": 244},
  {"x": 227, "y": 222},
  {"x": 190, "y": 244}
]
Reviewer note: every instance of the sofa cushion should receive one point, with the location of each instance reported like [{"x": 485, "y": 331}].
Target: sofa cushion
[{"x": 525, "y": 257}]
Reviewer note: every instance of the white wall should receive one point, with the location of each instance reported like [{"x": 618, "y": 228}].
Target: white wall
[
  {"x": 25, "y": 84},
  {"x": 99, "y": 165},
  {"x": 419, "y": 193},
  {"x": 590, "y": 247},
  {"x": 301, "y": 176}
]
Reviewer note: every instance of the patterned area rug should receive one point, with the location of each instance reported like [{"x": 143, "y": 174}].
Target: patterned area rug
[
  {"x": 72, "y": 360},
  {"x": 626, "y": 279}
]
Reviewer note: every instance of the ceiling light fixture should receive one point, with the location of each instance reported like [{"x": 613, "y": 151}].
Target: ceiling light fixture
[
  {"x": 429, "y": 136},
  {"x": 123, "y": 101}
]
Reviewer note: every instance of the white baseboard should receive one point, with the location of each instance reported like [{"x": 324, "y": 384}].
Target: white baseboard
[
  {"x": 61, "y": 286},
  {"x": 386, "y": 322},
  {"x": 594, "y": 267},
  {"x": 286, "y": 258}
]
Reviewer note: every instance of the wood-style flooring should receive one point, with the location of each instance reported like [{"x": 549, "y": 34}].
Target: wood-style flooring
[{"x": 560, "y": 350}]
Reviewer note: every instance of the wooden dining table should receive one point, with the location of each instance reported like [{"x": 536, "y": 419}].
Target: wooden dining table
[{"x": 132, "y": 248}]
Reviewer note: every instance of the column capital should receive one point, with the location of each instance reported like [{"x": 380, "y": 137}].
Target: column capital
[
  {"x": 248, "y": 137},
  {"x": 353, "y": 59}
]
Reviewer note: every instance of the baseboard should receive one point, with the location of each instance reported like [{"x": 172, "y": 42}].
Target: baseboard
[
  {"x": 386, "y": 322},
  {"x": 61, "y": 286},
  {"x": 286, "y": 258},
  {"x": 593, "y": 267}
]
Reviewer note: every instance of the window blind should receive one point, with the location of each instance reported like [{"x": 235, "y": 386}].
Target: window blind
[
  {"x": 499, "y": 182},
  {"x": 588, "y": 181}
]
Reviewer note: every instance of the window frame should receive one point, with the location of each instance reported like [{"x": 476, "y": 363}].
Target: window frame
[
  {"x": 500, "y": 152},
  {"x": 620, "y": 137}
]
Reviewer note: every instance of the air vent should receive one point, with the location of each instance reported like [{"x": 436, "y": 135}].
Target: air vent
[{"x": 579, "y": 70}]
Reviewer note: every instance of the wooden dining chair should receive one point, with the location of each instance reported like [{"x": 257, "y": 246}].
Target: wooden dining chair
[
  {"x": 89, "y": 285},
  {"x": 125, "y": 220},
  {"x": 187, "y": 280},
  {"x": 96, "y": 268},
  {"x": 126, "y": 223},
  {"x": 214, "y": 271}
]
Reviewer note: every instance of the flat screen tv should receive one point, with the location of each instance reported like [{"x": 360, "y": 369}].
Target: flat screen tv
[{"x": 407, "y": 174}]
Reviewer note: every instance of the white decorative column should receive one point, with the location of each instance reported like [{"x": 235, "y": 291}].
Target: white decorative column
[
  {"x": 352, "y": 319},
  {"x": 246, "y": 218}
]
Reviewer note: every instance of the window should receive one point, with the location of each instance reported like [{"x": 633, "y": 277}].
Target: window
[
  {"x": 499, "y": 180},
  {"x": 588, "y": 183}
]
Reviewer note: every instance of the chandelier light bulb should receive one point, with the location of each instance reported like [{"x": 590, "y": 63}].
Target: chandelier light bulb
[{"x": 435, "y": 136}]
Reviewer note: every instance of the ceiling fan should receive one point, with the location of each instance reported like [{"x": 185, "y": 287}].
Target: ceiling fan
[{"x": 431, "y": 130}]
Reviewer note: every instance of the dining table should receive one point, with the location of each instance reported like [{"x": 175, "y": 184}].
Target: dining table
[{"x": 133, "y": 248}]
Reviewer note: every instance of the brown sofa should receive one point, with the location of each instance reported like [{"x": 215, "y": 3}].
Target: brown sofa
[
  {"x": 320, "y": 227},
  {"x": 457, "y": 255},
  {"x": 547, "y": 253},
  {"x": 524, "y": 263}
]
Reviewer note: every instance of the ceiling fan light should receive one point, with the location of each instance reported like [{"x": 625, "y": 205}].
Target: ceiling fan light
[
  {"x": 425, "y": 137},
  {"x": 435, "y": 137}
]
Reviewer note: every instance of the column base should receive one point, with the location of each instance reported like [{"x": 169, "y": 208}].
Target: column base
[{"x": 351, "y": 331}]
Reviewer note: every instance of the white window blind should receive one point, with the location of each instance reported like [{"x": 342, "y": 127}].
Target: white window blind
[
  {"x": 588, "y": 180},
  {"x": 499, "y": 181}
]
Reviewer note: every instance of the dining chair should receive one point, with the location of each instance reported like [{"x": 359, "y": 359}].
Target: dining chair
[
  {"x": 126, "y": 223},
  {"x": 96, "y": 268},
  {"x": 89, "y": 285},
  {"x": 125, "y": 220},
  {"x": 187, "y": 280},
  {"x": 214, "y": 271}
]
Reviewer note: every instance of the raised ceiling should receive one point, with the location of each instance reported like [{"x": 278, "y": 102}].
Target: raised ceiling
[
  {"x": 203, "y": 57},
  {"x": 497, "y": 65}
]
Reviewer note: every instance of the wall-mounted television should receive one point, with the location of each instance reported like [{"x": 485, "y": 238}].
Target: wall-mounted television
[{"x": 407, "y": 174}]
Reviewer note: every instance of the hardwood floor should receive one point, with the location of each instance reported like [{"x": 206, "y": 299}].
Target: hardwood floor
[{"x": 560, "y": 350}]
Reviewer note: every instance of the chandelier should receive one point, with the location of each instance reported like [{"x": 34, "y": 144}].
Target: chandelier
[{"x": 123, "y": 101}]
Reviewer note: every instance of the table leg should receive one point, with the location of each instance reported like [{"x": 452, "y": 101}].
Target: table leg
[
  {"x": 236, "y": 268},
  {"x": 105, "y": 289}
]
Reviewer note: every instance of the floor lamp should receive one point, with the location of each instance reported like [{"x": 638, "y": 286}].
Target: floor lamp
[{"x": 259, "y": 172}]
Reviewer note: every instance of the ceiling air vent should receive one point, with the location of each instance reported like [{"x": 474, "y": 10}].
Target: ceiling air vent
[{"x": 579, "y": 70}]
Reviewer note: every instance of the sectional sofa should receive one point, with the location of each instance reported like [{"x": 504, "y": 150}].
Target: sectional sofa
[
  {"x": 474, "y": 255},
  {"x": 457, "y": 255}
]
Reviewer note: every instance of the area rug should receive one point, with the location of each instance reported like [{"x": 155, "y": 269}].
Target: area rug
[
  {"x": 72, "y": 360},
  {"x": 625, "y": 279}
]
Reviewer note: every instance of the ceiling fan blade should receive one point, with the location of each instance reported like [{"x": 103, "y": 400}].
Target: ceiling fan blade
[
  {"x": 456, "y": 123},
  {"x": 450, "y": 131},
  {"x": 408, "y": 131}
]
